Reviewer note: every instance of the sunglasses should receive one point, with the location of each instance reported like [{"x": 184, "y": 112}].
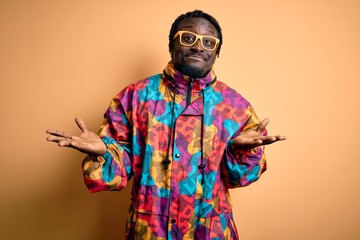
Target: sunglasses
[{"x": 188, "y": 39}]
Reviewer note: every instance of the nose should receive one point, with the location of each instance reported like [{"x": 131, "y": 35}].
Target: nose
[{"x": 197, "y": 45}]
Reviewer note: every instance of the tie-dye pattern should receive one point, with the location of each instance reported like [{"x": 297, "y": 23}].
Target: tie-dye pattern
[{"x": 179, "y": 153}]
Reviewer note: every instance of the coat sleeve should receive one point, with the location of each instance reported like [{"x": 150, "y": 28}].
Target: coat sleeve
[
  {"x": 113, "y": 170},
  {"x": 243, "y": 167}
]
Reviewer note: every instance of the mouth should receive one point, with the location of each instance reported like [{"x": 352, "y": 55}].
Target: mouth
[{"x": 196, "y": 58}]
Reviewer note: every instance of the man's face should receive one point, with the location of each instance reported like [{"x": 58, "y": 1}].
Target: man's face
[{"x": 194, "y": 61}]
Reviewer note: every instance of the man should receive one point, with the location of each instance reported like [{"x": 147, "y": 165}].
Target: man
[{"x": 183, "y": 136}]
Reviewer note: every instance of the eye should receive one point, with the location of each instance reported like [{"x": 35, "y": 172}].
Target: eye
[
  {"x": 208, "y": 42},
  {"x": 188, "y": 38}
]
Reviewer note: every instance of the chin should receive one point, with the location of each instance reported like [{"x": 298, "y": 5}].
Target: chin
[{"x": 192, "y": 71}]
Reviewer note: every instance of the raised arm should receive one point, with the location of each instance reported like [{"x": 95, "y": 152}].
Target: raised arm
[{"x": 245, "y": 159}]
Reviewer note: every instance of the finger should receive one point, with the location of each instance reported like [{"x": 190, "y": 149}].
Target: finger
[
  {"x": 266, "y": 138},
  {"x": 64, "y": 143},
  {"x": 59, "y": 133},
  {"x": 56, "y": 138},
  {"x": 72, "y": 144},
  {"x": 273, "y": 139},
  {"x": 81, "y": 124},
  {"x": 251, "y": 142},
  {"x": 280, "y": 137},
  {"x": 262, "y": 125}
]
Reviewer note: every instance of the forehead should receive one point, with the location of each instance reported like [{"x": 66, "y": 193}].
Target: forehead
[{"x": 198, "y": 25}]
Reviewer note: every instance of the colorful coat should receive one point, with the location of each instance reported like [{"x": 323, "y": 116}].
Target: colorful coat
[{"x": 173, "y": 136}]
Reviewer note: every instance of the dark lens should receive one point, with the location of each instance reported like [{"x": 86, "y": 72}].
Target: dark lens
[
  {"x": 209, "y": 42},
  {"x": 188, "y": 38}
]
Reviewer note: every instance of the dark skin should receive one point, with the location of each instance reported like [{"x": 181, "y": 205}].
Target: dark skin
[{"x": 196, "y": 57}]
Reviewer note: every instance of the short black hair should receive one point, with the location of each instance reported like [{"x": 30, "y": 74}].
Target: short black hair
[{"x": 193, "y": 14}]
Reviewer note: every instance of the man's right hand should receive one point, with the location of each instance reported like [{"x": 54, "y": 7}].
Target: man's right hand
[{"x": 88, "y": 142}]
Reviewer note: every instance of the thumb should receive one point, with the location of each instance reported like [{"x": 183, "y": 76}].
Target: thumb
[
  {"x": 81, "y": 124},
  {"x": 262, "y": 125}
]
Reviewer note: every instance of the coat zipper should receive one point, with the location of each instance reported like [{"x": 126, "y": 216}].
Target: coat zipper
[{"x": 189, "y": 90}]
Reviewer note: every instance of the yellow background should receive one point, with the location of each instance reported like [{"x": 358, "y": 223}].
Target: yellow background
[{"x": 297, "y": 62}]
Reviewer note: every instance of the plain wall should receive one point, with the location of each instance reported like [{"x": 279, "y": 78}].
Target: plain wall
[{"x": 297, "y": 62}]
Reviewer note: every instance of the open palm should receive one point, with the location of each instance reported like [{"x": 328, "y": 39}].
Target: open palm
[
  {"x": 254, "y": 138},
  {"x": 87, "y": 142}
]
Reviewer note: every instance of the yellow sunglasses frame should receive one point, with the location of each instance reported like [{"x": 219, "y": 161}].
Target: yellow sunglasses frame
[{"x": 198, "y": 36}]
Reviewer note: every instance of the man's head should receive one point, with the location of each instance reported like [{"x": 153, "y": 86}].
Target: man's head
[{"x": 194, "y": 42}]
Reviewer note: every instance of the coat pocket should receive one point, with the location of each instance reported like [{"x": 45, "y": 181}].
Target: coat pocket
[{"x": 148, "y": 201}]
